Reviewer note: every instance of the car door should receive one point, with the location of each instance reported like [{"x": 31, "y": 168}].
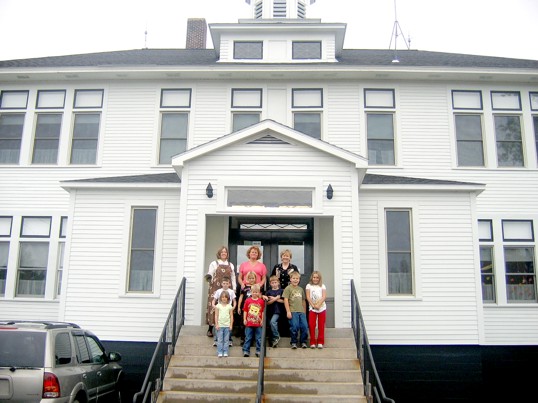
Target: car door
[
  {"x": 105, "y": 371},
  {"x": 86, "y": 365}
]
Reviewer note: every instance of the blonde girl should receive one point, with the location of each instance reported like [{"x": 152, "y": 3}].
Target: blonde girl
[
  {"x": 224, "y": 320},
  {"x": 316, "y": 293}
]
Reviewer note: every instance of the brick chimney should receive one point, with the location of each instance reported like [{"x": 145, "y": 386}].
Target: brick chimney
[{"x": 196, "y": 33}]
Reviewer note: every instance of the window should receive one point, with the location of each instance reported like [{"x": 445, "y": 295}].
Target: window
[
  {"x": 508, "y": 140},
  {"x": 487, "y": 274},
  {"x": 86, "y": 126},
  {"x": 270, "y": 198},
  {"x": 62, "y": 348},
  {"x": 83, "y": 354},
  {"x": 4, "y": 255},
  {"x": 50, "y": 99},
  {"x": 248, "y": 50},
  {"x": 33, "y": 257},
  {"x": 520, "y": 274},
  {"x": 243, "y": 103},
  {"x": 509, "y": 100},
  {"x": 467, "y": 99},
  {"x": 399, "y": 252},
  {"x": 142, "y": 249},
  {"x": 380, "y": 126},
  {"x": 174, "y": 124},
  {"x": 61, "y": 254},
  {"x": 468, "y": 126},
  {"x": 306, "y": 50},
  {"x": 305, "y": 119},
  {"x": 535, "y": 121},
  {"x": 47, "y": 138},
  {"x": 11, "y": 125},
  {"x": 534, "y": 101}
]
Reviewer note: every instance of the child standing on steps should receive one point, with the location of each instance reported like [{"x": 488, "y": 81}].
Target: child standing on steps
[
  {"x": 224, "y": 320},
  {"x": 315, "y": 295},
  {"x": 226, "y": 282},
  {"x": 253, "y": 320},
  {"x": 274, "y": 300},
  {"x": 246, "y": 293},
  {"x": 294, "y": 301}
]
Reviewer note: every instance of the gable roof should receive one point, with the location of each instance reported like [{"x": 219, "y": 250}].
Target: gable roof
[
  {"x": 208, "y": 57},
  {"x": 267, "y": 131}
]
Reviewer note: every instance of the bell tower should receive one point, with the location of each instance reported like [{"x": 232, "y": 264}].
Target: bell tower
[{"x": 279, "y": 9}]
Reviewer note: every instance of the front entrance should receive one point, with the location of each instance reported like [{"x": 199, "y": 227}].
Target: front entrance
[{"x": 273, "y": 235}]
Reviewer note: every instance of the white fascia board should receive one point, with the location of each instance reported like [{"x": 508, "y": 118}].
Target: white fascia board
[{"x": 476, "y": 188}]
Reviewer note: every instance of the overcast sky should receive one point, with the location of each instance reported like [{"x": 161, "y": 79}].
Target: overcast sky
[{"x": 36, "y": 28}]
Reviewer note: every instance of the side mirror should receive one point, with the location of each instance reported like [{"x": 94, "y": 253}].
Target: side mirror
[{"x": 114, "y": 357}]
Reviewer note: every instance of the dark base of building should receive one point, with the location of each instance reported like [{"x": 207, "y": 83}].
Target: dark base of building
[{"x": 458, "y": 374}]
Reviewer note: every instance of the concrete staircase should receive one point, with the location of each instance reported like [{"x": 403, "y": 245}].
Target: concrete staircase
[{"x": 196, "y": 374}]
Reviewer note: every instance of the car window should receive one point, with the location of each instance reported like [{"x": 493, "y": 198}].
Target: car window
[
  {"x": 83, "y": 354},
  {"x": 98, "y": 354},
  {"x": 22, "y": 349},
  {"x": 62, "y": 349}
]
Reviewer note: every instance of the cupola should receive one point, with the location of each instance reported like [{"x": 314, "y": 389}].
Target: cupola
[{"x": 279, "y": 9}]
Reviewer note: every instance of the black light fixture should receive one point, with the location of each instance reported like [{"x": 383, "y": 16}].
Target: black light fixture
[
  {"x": 330, "y": 192},
  {"x": 209, "y": 190}
]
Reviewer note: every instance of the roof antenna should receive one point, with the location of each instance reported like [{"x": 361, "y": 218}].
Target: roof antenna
[{"x": 397, "y": 31}]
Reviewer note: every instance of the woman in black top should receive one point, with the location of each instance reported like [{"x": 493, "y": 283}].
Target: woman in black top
[{"x": 284, "y": 269}]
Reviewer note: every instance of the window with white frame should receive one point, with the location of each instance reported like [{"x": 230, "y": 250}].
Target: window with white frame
[
  {"x": 487, "y": 267},
  {"x": 467, "y": 106},
  {"x": 86, "y": 123},
  {"x": 380, "y": 105},
  {"x": 534, "y": 107},
  {"x": 5, "y": 234},
  {"x": 399, "y": 252},
  {"x": 142, "y": 249},
  {"x": 175, "y": 105},
  {"x": 33, "y": 256},
  {"x": 307, "y": 104},
  {"x": 248, "y": 50},
  {"x": 48, "y": 126},
  {"x": 12, "y": 113},
  {"x": 302, "y": 50},
  {"x": 61, "y": 254},
  {"x": 246, "y": 107},
  {"x": 508, "y": 135}
]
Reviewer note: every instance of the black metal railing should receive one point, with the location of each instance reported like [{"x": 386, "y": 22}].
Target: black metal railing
[
  {"x": 164, "y": 350},
  {"x": 261, "y": 364},
  {"x": 370, "y": 377}
]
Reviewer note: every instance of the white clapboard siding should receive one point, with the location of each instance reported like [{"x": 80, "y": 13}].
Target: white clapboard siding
[
  {"x": 342, "y": 117},
  {"x": 260, "y": 165},
  {"x": 445, "y": 310},
  {"x": 511, "y": 325},
  {"x": 29, "y": 310},
  {"x": 97, "y": 269}
]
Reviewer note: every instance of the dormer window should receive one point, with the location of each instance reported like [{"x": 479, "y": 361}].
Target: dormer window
[
  {"x": 306, "y": 50},
  {"x": 248, "y": 50}
]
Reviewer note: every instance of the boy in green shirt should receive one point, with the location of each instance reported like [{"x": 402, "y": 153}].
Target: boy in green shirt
[{"x": 295, "y": 303}]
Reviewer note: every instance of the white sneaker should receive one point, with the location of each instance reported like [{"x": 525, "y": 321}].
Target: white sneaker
[
  {"x": 320, "y": 345},
  {"x": 312, "y": 346},
  {"x": 220, "y": 355},
  {"x": 225, "y": 355}
]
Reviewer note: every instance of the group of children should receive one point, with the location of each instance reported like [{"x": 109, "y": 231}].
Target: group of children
[{"x": 252, "y": 305}]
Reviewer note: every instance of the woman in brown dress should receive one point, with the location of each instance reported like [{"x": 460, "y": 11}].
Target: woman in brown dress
[{"x": 218, "y": 269}]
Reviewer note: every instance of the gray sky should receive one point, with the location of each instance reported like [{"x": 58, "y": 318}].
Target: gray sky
[{"x": 36, "y": 28}]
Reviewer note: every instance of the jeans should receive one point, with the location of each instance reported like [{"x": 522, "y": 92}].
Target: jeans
[
  {"x": 223, "y": 334},
  {"x": 250, "y": 333},
  {"x": 298, "y": 323},
  {"x": 274, "y": 326},
  {"x": 314, "y": 317}
]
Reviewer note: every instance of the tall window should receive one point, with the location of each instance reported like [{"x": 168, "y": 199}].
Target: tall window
[
  {"x": 307, "y": 106},
  {"x": 5, "y": 234},
  {"x": 519, "y": 260},
  {"x": 246, "y": 107},
  {"x": 142, "y": 249},
  {"x": 467, "y": 106},
  {"x": 380, "y": 105},
  {"x": 508, "y": 129},
  {"x": 61, "y": 254},
  {"x": 87, "y": 120},
  {"x": 48, "y": 126},
  {"x": 175, "y": 104},
  {"x": 248, "y": 50},
  {"x": 33, "y": 256},
  {"x": 11, "y": 125},
  {"x": 487, "y": 268},
  {"x": 399, "y": 252}
]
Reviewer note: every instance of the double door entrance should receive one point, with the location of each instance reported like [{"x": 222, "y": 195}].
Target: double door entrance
[{"x": 272, "y": 236}]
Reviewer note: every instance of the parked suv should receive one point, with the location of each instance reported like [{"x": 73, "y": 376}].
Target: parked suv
[{"x": 53, "y": 362}]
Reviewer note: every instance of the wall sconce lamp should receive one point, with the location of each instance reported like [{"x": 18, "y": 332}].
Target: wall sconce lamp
[
  {"x": 209, "y": 190},
  {"x": 330, "y": 192}
]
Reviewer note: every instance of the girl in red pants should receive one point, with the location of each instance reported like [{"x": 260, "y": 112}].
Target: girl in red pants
[{"x": 315, "y": 295}]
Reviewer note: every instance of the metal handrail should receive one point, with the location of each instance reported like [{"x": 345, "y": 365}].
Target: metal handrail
[
  {"x": 164, "y": 350},
  {"x": 372, "y": 387},
  {"x": 261, "y": 364}
]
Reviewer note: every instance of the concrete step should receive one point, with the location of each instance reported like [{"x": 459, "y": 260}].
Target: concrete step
[
  {"x": 319, "y": 387},
  {"x": 273, "y": 398},
  {"x": 295, "y": 375},
  {"x": 184, "y": 396},
  {"x": 227, "y": 371},
  {"x": 229, "y": 386}
]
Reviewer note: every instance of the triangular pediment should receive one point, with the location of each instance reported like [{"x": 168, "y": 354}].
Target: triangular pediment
[{"x": 267, "y": 133}]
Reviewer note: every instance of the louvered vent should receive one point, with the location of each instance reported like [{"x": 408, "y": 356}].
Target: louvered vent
[
  {"x": 258, "y": 10},
  {"x": 268, "y": 139},
  {"x": 279, "y": 9},
  {"x": 301, "y": 10}
]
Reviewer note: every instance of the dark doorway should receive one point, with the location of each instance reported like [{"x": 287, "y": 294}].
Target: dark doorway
[{"x": 273, "y": 235}]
